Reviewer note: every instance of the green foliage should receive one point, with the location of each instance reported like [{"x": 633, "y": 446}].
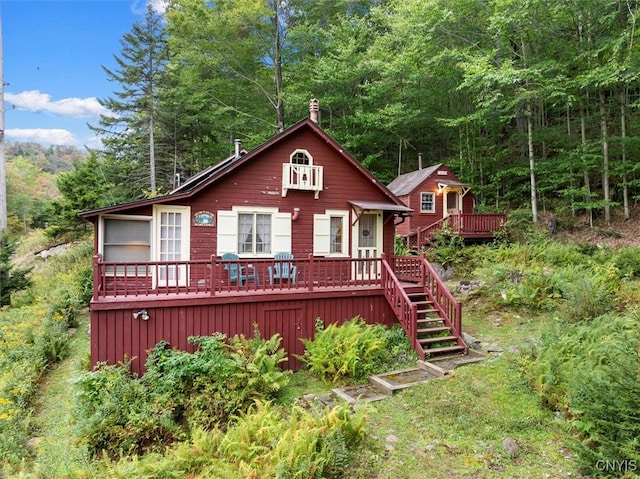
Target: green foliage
[
  {"x": 401, "y": 248},
  {"x": 627, "y": 261},
  {"x": 12, "y": 279},
  {"x": 590, "y": 372},
  {"x": 447, "y": 248},
  {"x": 33, "y": 335},
  {"x": 180, "y": 390},
  {"x": 519, "y": 228},
  {"x": 85, "y": 188},
  {"x": 353, "y": 350},
  {"x": 264, "y": 441}
]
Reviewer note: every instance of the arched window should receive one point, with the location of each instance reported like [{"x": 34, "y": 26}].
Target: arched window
[{"x": 301, "y": 157}]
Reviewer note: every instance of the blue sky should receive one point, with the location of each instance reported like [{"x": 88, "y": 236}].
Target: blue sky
[{"x": 53, "y": 56}]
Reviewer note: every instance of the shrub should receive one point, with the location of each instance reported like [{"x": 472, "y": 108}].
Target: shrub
[
  {"x": 264, "y": 442},
  {"x": 446, "y": 248},
  {"x": 590, "y": 371},
  {"x": 627, "y": 261},
  {"x": 204, "y": 389},
  {"x": 352, "y": 351},
  {"x": 116, "y": 414}
]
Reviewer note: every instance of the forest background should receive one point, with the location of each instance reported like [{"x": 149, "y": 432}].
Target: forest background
[{"x": 534, "y": 103}]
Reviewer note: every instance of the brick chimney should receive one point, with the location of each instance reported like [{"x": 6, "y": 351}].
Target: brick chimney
[{"x": 313, "y": 110}]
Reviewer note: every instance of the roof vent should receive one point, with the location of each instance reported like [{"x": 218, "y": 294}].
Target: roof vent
[
  {"x": 313, "y": 110},
  {"x": 237, "y": 142}
]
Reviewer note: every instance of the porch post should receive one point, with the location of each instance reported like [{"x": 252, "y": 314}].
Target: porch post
[
  {"x": 96, "y": 276},
  {"x": 310, "y": 273},
  {"x": 214, "y": 275}
]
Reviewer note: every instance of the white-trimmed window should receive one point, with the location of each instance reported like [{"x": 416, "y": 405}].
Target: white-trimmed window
[
  {"x": 126, "y": 238},
  {"x": 253, "y": 231},
  {"x": 301, "y": 157},
  {"x": 427, "y": 202},
  {"x": 330, "y": 233}
]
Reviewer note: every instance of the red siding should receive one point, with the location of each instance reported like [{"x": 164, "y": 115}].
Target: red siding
[
  {"x": 259, "y": 183},
  {"x": 116, "y": 335},
  {"x": 412, "y": 200}
]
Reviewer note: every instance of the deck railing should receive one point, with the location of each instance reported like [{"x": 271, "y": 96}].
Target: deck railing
[
  {"x": 477, "y": 225},
  {"x": 214, "y": 276},
  {"x": 417, "y": 269}
]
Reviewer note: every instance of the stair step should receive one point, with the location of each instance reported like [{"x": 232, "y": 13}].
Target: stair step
[
  {"x": 439, "y": 339},
  {"x": 430, "y": 320},
  {"x": 446, "y": 349},
  {"x": 427, "y": 311},
  {"x": 435, "y": 330}
]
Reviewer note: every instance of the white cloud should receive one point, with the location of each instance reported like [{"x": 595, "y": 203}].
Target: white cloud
[
  {"x": 33, "y": 100},
  {"x": 140, "y": 6},
  {"x": 51, "y": 136}
]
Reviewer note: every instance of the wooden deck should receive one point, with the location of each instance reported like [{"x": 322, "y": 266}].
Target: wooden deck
[
  {"x": 193, "y": 279},
  {"x": 134, "y": 307},
  {"x": 467, "y": 226}
]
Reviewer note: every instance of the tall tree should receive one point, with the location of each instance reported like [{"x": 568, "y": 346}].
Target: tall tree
[{"x": 130, "y": 128}]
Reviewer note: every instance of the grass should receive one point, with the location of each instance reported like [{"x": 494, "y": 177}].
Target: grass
[
  {"x": 448, "y": 428},
  {"x": 455, "y": 427},
  {"x": 57, "y": 455}
]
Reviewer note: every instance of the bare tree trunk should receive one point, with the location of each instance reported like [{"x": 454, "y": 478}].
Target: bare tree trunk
[
  {"x": 152, "y": 151},
  {"x": 277, "y": 60},
  {"x": 605, "y": 159},
  {"x": 587, "y": 182},
  {"x": 623, "y": 135},
  {"x": 532, "y": 174}
]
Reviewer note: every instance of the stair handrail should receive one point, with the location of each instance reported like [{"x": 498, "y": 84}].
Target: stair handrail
[
  {"x": 441, "y": 296},
  {"x": 404, "y": 309}
]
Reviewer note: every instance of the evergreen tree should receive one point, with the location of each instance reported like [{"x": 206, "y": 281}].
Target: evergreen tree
[
  {"x": 85, "y": 188},
  {"x": 130, "y": 129},
  {"x": 11, "y": 279}
]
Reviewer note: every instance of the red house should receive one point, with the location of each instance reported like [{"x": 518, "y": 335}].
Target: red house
[
  {"x": 270, "y": 239},
  {"x": 436, "y": 197}
]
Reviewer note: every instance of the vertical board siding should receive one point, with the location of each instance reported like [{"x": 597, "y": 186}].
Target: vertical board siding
[{"x": 116, "y": 336}]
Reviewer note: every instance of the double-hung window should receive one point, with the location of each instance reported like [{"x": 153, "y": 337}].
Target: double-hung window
[
  {"x": 254, "y": 233},
  {"x": 427, "y": 202}
]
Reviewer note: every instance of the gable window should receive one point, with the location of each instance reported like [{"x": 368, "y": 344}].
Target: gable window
[
  {"x": 427, "y": 202},
  {"x": 253, "y": 231},
  {"x": 300, "y": 157},
  {"x": 330, "y": 233},
  {"x": 299, "y": 173}
]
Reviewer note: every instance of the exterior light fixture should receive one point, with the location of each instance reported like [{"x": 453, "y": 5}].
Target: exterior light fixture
[{"x": 143, "y": 314}]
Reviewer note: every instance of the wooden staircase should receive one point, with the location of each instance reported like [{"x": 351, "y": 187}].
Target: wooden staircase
[
  {"x": 434, "y": 331},
  {"x": 428, "y": 312}
]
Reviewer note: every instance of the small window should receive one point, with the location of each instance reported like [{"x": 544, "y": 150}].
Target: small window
[{"x": 427, "y": 202}]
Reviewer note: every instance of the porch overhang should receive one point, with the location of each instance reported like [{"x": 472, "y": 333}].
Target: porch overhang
[
  {"x": 360, "y": 206},
  {"x": 444, "y": 185}
]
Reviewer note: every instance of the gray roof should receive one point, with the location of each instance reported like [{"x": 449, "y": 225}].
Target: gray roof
[{"x": 405, "y": 184}]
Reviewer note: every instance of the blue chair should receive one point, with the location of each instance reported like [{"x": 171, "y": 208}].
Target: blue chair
[
  {"x": 282, "y": 270},
  {"x": 236, "y": 272}
]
